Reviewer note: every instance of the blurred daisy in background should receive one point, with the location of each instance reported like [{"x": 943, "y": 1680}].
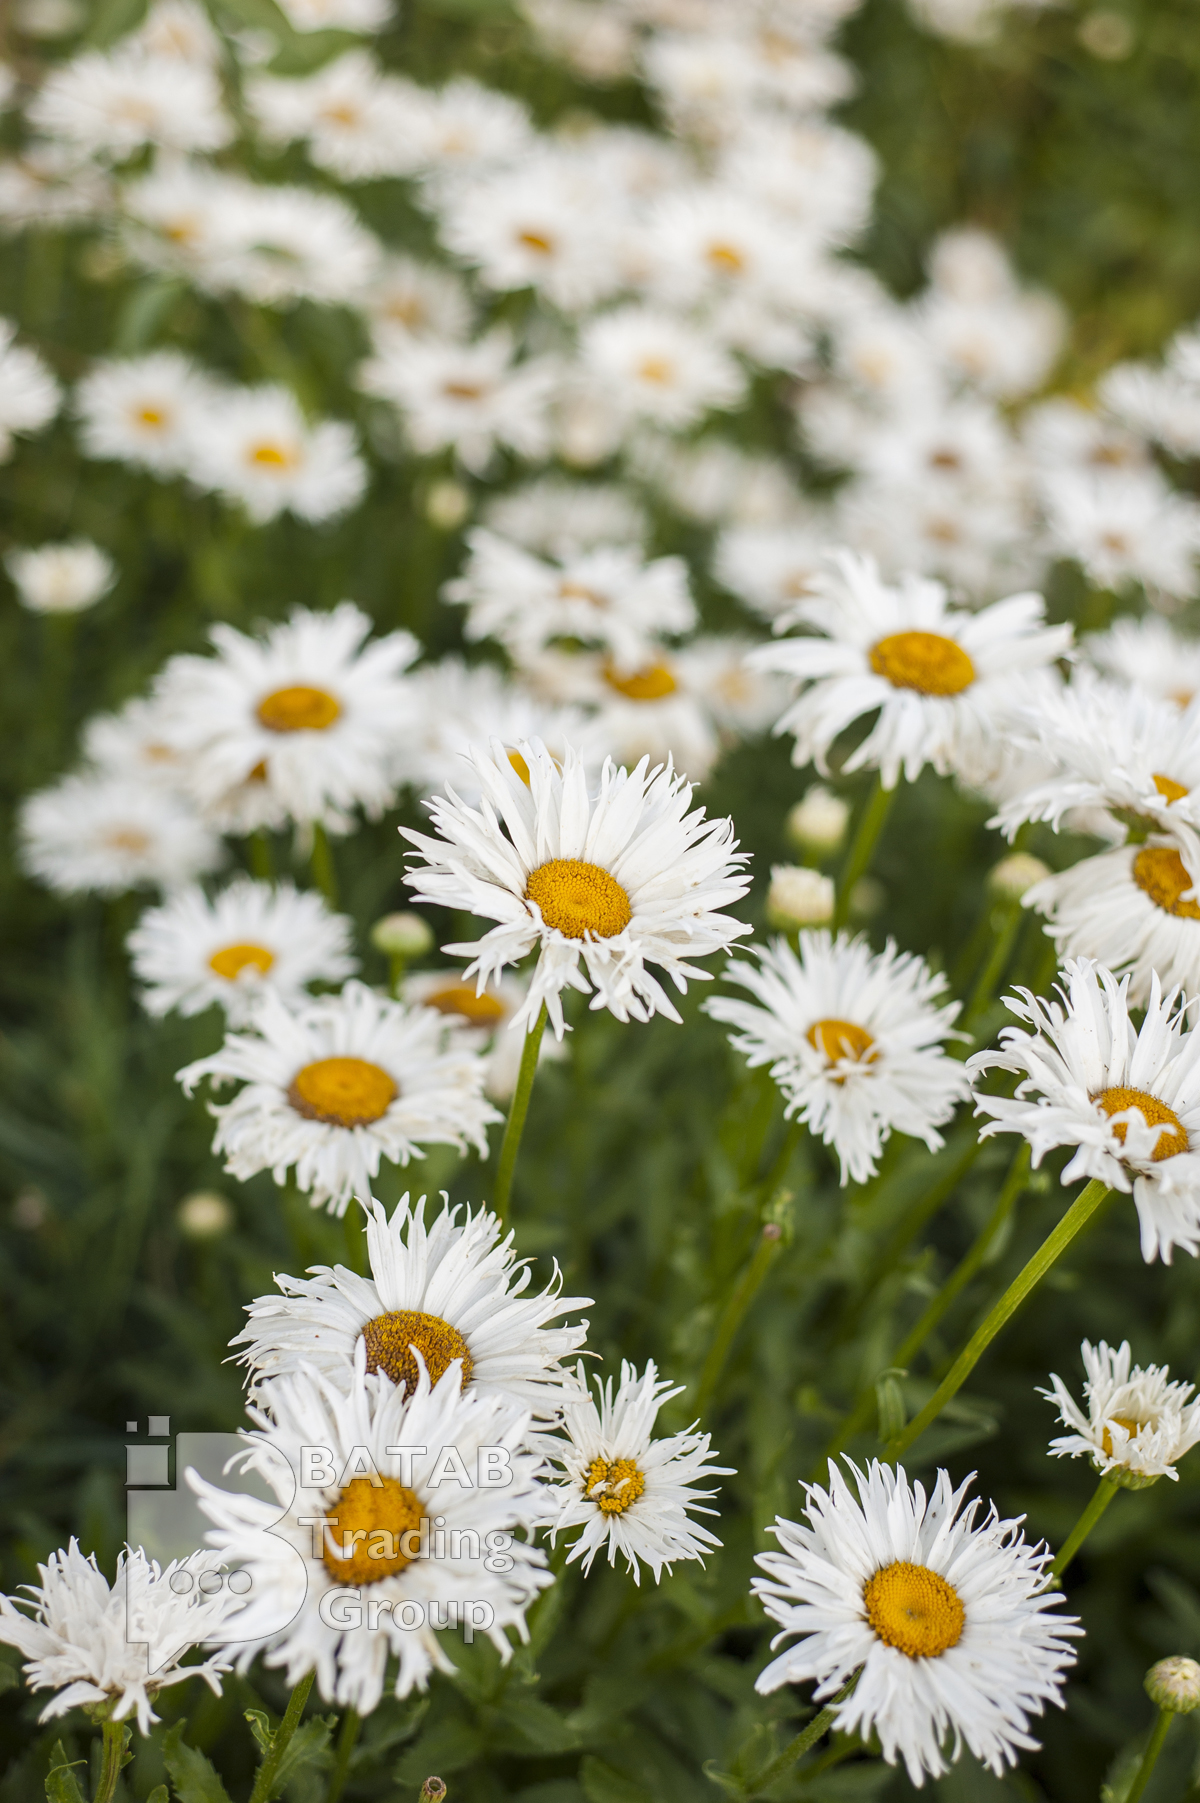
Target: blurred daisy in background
[
  {"x": 254, "y": 447},
  {"x": 483, "y": 1018},
  {"x": 108, "y": 834},
  {"x": 1137, "y": 1424},
  {"x": 144, "y": 411},
  {"x": 29, "y": 394},
  {"x": 1148, "y": 653},
  {"x": 61, "y": 579}
]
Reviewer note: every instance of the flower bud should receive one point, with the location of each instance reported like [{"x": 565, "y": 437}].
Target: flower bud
[
  {"x": 205, "y": 1215},
  {"x": 1009, "y": 879},
  {"x": 432, "y": 1791},
  {"x": 446, "y": 505},
  {"x": 799, "y": 897},
  {"x": 818, "y": 821},
  {"x": 404, "y": 935},
  {"x": 1174, "y": 1684}
]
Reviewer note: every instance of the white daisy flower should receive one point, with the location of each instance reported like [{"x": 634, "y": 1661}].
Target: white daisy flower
[
  {"x": 193, "y": 951},
  {"x": 178, "y": 28},
  {"x": 629, "y": 1492},
  {"x": 143, "y": 410},
  {"x": 350, "y": 112},
  {"x": 112, "y": 103},
  {"x": 1127, "y": 1099},
  {"x": 1150, "y": 654},
  {"x": 347, "y": 1081},
  {"x": 613, "y": 878},
  {"x": 119, "y": 1646},
  {"x": 854, "y": 1039},
  {"x": 337, "y": 15},
  {"x": 133, "y": 744},
  {"x": 472, "y": 397},
  {"x": 408, "y": 299},
  {"x": 1137, "y": 1424},
  {"x": 61, "y": 579},
  {"x": 650, "y": 711},
  {"x": 771, "y": 568},
  {"x": 110, "y": 833},
  {"x": 464, "y": 127},
  {"x": 435, "y": 1293},
  {"x": 483, "y": 1018},
  {"x": 1132, "y": 909},
  {"x": 29, "y": 394},
  {"x": 306, "y": 722},
  {"x": 390, "y": 1536},
  {"x": 1123, "y": 526},
  {"x": 655, "y": 366},
  {"x": 941, "y": 679},
  {"x": 553, "y": 517},
  {"x": 254, "y": 447},
  {"x": 948, "y": 1619}
]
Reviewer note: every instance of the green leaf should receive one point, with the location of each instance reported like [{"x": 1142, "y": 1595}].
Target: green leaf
[
  {"x": 448, "y": 1746},
  {"x": 260, "y": 1727},
  {"x": 160, "y": 1794},
  {"x": 192, "y": 1775},
  {"x": 602, "y": 1783},
  {"x": 309, "y": 1745},
  {"x": 9, "y": 1676},
  {"x": 110, "y": 20},
  {"x": 528, "y": 1724},
  {"x": 890, "y": 1401},
  {"x": 61, "y": 1783}
]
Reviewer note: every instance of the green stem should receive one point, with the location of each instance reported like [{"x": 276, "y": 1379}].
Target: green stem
[
  {"x": 264, "y": 1783},
  {"x": 1150, "y": 1756},
  {"x": 989, "y": 977},
  {"x": 518, "y": 1109},
  {"x": 744, "y": 1291},
  {"x": 953, "y": 1287},
  {"x": 793, "y": 1133},
  {"x": 1105, "y": 1490},
  {"x": 1076, "y": 1217},
  {"x": 262, "y": 864},
  {"x": 321, "y": 863},
  {"x": 351, "y": 1722},
  {"x": 354, "y": 1231},
  {"x": 116, "y": 1738},
  {"x": 808, "y": 1737},
  {"x": 858, "y": 858},
  {"x": 396, "y": 965}
]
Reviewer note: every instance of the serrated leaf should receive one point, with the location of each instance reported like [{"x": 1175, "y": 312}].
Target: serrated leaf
[
  {"x": 260, "y": 1727},
  {"x": 193, "y": 1776},
  {"x": 526, "y": 1723},
  {"x": 160, "y": 1794},
  {"x": 62, "y": 1785},
  {"x": 307, "y": 1746},
  {"x": 602, "y": 1783}
]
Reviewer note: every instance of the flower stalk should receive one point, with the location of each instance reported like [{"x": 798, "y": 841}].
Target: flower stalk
[
  {"x": 268, "y": 1771},
  {"x": 1104, "y": 1492},
  {"x": 806, "y": 1739},
  {"x": 510, "y": 1145},
  {"x": 347, "y": 1738},
  {"x": 1154, "y": 1747},
  {"x": 116, "y": 1739},
  {"x": 862, "y": 847}
]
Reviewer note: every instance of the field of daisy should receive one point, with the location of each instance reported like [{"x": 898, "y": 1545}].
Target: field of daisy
[{"x": 600, "y": 1134}]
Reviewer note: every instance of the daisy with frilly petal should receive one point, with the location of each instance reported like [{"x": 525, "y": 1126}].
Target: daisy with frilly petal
[
  {"x": 1127, "y": 1098},
  {"x": 853, "y": 1039},
  {"x": 349, "y": 1080},
  {"x": 452, "y": 1289},
  {"x": 612, "y": 878},
  {"x": 1138, "y": 1423},
  {"x": 946, "y": 1620},
  {"x": 940, "y": 678},
  {"x": 628, "y": 1491}
]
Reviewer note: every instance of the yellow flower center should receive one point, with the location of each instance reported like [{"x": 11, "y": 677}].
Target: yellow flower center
[
  {"x": 578, "y": 898},
  {"x": 656, "y": 369},
  {"x": 1132, "y": 1428},
  {"x": 460, "y": 998},
  {"x": 914, "y": 1609},
  {"x": 342, "y": 1092},
  {"x": 1162, "y": 874},
  {"x": 579, "y": 591},
  {"x": 369, "y": 1525},
  {"x": 128, "y": 838},
  {"x": 232, "y": 960},
  {"x": 613, "y": 1484},
  {"x": 840, "y": 1039},
  {"x": 652, "y": 683},
  {"x": 928, "y": 662},
  {"x": 1172, "y": 1139},
  {"x": 1169, "y": 789},
  {"x": 726, "y": 258},
  {"x": 270, "y": 456},
  {"x": 299, "y": 708},
  {"x": 536, "y": 241},
  {"x": 149, "y": 416},
  {"x": 464, "y": 391},
  {"x": 390, "y": 1339}
]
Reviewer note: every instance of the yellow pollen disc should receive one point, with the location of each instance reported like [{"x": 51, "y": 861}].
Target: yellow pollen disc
[
  {"x": 926, "y": 661},
  {"x": 269, "y": 456},
  {"x": 520, "y": 766},
  {"x": 149, "y": 416},
  {"x": 1173, "y": 1137},
  {"x": 463, "y": 391},
  {"x": 654, "y": 683},
  {"x": 536, "y": 241},
  {"x": 1169, "y": 789},
  {"x": 945, "y": 460},
  {"x": 579, "y": 591},
  {"x": 577, "y": 899},
  {"x": 460, "y": 998},
  {"x": 232, "y": 960},
  {"x": 1132, "y": 1428},
  {"x": 342, "y": 1092},
  {"x": 372, "y": 1521},
  {"x": 299, "y": 709},
  {"x": 840, "y": 1039},
  {"x": 1182, "y": 697},
  {"x": 725, "y": 257},
  {"x": 656, "y": 369},
  {"x": 914, "y": 1609},
  {"x": 623, "y": 1484},
  {"x": 128, "y": 838},
  {"x": 1160, "y": 872},
  {"x": 390, "y": 1338},
  {"x": 342, "y": 113}
]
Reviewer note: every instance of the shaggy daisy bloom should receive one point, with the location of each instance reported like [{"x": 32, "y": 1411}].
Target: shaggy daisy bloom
[
  {"x": 61, "y": 579},
  {"x": 629, "y": 1492},
  {"x": 472, "y": 397},
  {"x": 112, "y": 833},
  {"x": 483, "y": 1020},
  {"x": 947, "y": 1618},
  {"x": 1138, "y": 1423},
  {"x": 28, "y": 392},
  {"x": 1134, "y": 909},
  {"x": 396, "y": 1521},
  {"x": 1151, "y": 655},
  {"x": 655, "y": 366},
  {"x": 256, "y": 448},
  {"x": 615, "y": 878},
  {"x": 650, "y": 711},
  {"x": 113, "y": 103},
  {"x": 941, "y": 680},
  {"x": 340, "y": 1085},
  {"x": 193, "y": 951},
  {"x": 305, "y": 723},
  {"x": 119, "y": 1646},
  {"x": 337, "y": 15},
  {"x": 448, "y": 1290},
  {"x": 143, "y": 410},
  {"x": 1128, "y": 1099},
  {"x": 455, "y": 705},
  {"x": 351, "y": 113},
  {"x": 1125, "y": 526},
  {"x": 854, "y": 1039}
]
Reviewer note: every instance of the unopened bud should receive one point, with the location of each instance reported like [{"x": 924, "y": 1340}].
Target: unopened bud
[
  {"x": 205, "y": 1215},
  {"x": 1174, "y": 1684},
  {"x": 432, "y": 1791},
  {"x": 403, "y": 935},
  {"x": 1012, "y": 876},
  {"x": 818, "y": 821},
  {"x": 446, "y": 505},
  {"x": 799, "y": 897}
]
